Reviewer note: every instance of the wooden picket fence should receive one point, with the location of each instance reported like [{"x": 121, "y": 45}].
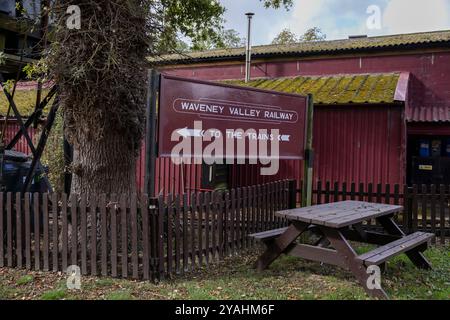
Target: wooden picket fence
[
  {"x": 152, "y": 238},
  {"x": 426, "y": 207},
  {"x": 210, "y": 226},
  {"x": 135, "y": 237}
]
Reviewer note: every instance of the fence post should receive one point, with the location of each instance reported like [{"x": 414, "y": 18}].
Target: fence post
[
  {"x": 309, "y": 156},
  {"x": 407, "y": 210},
  {"x": 153, "y": 207},
  {"x": 292, "y": 194}
]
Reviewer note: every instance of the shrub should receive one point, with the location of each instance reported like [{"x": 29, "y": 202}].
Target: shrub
[{"x": 53, "y": 155}]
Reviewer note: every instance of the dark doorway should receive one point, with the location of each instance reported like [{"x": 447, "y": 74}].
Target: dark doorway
[
  {"x": 215, "y": 176},
  {"x": 428, "y": 159}
]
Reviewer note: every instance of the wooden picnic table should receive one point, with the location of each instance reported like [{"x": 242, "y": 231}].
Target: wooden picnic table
[{"x": 336, "y": 224}]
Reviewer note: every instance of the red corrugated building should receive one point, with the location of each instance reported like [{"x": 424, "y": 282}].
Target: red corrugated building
[
  {"x": 382, "y": 104},
  {"x": 382, "y": 109}
]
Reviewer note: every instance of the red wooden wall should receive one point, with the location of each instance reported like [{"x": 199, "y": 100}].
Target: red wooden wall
[
  {"x": 169, "y": 178},
  {"x": 361, "y": 144},
  {"x": 11, "y": 130},
  {"x": 358, "y": 144},
  {"x": 352, "y": 144}
]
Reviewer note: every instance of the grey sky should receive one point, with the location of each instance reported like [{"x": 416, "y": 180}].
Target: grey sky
[{"x": 338, "y": 18}]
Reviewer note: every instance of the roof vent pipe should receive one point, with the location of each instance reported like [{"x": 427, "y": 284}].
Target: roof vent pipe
[{"x": 248, "y": 52}]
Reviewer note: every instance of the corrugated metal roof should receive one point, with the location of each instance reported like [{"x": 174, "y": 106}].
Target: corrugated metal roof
[
  {"x": 417, "y": 110},
  {"x": 335, "y": 89},
  {"x": 428, "y": 114},
  {"x": 316, "y": 47}
]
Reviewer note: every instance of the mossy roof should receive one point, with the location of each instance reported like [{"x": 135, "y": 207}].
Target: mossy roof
[
  {"x": 336, "y": 89},
  {"x": 24, "y": 98},
  {"x": 405, "y": 41}
]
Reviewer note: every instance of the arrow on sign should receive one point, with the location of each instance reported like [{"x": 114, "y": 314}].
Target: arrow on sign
[
  {"x": 284, "y": 138},
  {"x": 185, "y": 132}
]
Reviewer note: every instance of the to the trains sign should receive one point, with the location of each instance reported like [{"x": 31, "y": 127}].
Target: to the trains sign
[{"x": 229, "y": 121}]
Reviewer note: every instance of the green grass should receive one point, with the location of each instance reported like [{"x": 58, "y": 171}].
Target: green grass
[
  {"x": 26, "y": 279},
  {"x": 292, "y": 278},
  {"x": 8, "y": 292},
  {"x": 104, "y": 282},
  {"x": 234, "y": 278},
  {"x": 119, "y": 295},
  {"x": 57, "y": 294},
  {"x": 409, "y": 282}
]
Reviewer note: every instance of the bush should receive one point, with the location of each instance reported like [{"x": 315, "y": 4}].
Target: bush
[{"x": 53, "y": 155}]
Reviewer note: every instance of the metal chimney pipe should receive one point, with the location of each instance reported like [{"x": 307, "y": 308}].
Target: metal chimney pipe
[{"x": 248, "y": 52}]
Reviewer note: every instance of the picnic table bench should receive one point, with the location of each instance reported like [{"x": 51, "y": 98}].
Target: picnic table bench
[{"x": 336, "y": 224}]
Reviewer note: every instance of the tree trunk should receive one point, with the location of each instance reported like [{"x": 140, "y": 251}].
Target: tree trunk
[
  {"x": 101, "y": 72},
  {"x": 105, "y": 166},
  {"x": 100, "y": 167}
]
